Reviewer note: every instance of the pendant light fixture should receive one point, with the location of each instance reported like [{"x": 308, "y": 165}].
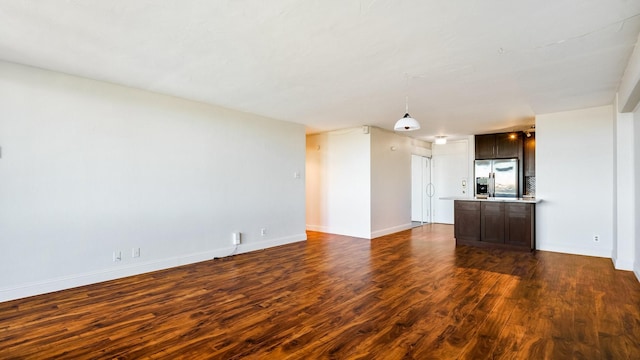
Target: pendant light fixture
[{"x": 407, "y": 123}]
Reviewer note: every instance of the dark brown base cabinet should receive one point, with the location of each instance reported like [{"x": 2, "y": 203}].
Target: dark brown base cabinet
[
  {"x": 488, "y": 223},
  {"x": 467, "y": 220}
]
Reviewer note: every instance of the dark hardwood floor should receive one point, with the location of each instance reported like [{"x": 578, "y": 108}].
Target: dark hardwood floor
[{"x": 411, "y": 295}]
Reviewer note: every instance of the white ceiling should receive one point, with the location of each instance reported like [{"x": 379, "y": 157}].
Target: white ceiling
[{"x": 473, "y": 65}]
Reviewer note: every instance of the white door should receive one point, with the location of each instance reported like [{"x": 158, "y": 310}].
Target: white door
[
  {"x": 450, "y": 164},
  {"x": 420, "y": 189}
]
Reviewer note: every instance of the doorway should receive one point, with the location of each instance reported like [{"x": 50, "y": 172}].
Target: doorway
[{"x": 422, "y": 190}]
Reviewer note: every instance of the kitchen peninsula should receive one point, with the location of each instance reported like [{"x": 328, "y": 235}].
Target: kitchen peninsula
[{"x": 496, "y": 222}]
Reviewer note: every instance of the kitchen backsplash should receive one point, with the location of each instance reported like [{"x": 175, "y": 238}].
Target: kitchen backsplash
[{"x": 530, "y": 185}]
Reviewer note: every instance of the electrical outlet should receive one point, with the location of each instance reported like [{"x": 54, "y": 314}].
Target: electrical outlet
[
  {"x": 135, "y": 252},
  {"x": 117, "y": 256},
  {"x": 263, "y": 232},
  {"x": 236, "y": 238},
  {"x": 596, "y": 238}
]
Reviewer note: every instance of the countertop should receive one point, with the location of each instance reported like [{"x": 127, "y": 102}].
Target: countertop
[{"x": 494, "y": 199}]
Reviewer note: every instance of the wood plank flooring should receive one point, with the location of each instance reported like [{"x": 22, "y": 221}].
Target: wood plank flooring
[{"x": 411, "y": 295}]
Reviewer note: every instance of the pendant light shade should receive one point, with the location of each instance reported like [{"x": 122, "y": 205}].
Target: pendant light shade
[{"x": 407, "y": 123}]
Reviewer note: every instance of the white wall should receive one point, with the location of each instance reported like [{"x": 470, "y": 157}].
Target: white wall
[
  {"x": 636, "y": 131},
  {"x": 356, "y": 184},
  {"x": 627, "y": 211},
  {"x": 390, "y": 182},
  {"x": 628, "y": 95},
  {"x": 89, "y": 168},
  {"x": 624, "y": 192},
  {"x": 574, "y": 167},
  {"x": 421, "y": 148},
  {"x": 338, "y": 182},
  {"x": 450, "y": 168}
]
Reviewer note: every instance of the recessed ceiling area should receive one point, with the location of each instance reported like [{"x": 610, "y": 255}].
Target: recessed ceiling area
[{"x": 472, "y": 66}]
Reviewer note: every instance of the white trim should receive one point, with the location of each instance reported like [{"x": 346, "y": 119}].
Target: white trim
[
  {"x": 623, "y": 265},
  {"x": 244, "y": 248},
  {"x": 334, "y": 231},
  {"x": 598, "y": 252},
  {"x": 391, "y": 230},
  {"x": 318, "y": 228},
  {"x": 68, "y": 282},
  {"x": 372, "y": 235},
  {"x": 637, "y": 270}
]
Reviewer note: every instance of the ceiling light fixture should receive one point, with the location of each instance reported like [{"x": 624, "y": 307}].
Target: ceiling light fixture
[
  {"x": 441, "y": 140},
  {"x": 407, "y": 123}
]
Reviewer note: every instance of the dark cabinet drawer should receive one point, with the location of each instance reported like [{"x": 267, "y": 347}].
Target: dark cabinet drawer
[
  {"x": 467, "y": 205},
  {"x": 518, "y": 208}
]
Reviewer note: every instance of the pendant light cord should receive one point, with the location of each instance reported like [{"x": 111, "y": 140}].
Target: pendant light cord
[{"x": 406, "y": 99}]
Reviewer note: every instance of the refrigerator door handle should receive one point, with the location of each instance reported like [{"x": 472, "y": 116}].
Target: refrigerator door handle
[{"x": 492, "y": 184}]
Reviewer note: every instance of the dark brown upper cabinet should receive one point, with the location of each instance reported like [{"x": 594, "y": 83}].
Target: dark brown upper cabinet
[
  {"x": 530, "y": 155},
  {"x": 499, "y": 146},
  {"x": 485, "y": 146}
]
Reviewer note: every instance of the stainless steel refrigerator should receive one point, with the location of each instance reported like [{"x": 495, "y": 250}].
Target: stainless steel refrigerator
[{"x": 497, "y": 178}]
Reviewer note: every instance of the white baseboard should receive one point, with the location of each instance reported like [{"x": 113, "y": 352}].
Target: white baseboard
[
  {"x": 636, "y": 270},
  {"x": 620, "y": 264},
  {"x": 318, "y": 228},
  {"x": 391, "y": 230},
  {"x": 245, "y": 248},
  {"x": 68, "y": 282},
  {"x": 372, "y": 235},
  {"x": 337, "y": 231},
  {"x": 587, "y": 251}
]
